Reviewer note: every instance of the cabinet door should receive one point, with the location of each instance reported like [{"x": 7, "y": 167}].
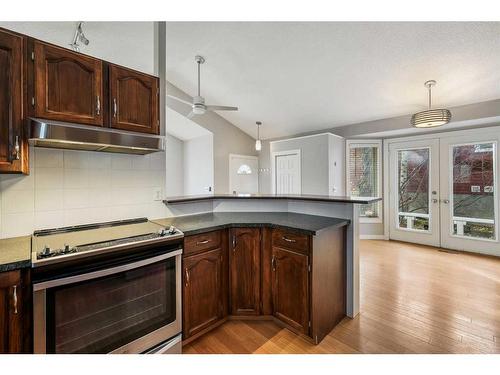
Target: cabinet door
[
  {"x": 11, "y": 338},
  {"x": 290, "y": 288},
  {"x": 203, "y": 303},
  {"x": 134, "y": 100},
  {"x": 244, "y": 258},
  {"x": 68, "y": 85},
  {"x": 13, "y": 148}
]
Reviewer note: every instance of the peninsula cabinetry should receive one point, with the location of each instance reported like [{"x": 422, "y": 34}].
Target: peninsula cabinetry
[{"x": 293, "y": 278}]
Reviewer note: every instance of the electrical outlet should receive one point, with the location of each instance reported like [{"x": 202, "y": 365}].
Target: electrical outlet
[{"x": 157, "y": 194}]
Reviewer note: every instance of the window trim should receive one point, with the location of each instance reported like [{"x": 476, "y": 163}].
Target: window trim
[{"x": 377, "y": 143}]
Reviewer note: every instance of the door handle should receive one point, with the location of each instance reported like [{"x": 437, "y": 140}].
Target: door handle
[
  {"x": 17, "y": 149},
  {"x": 446, "y": 201},
  {"x": 98, "y": 106},
  {"x": 14, "y": 297},
  {"x": 115, "y": 107},
  {"x": 273, "y": 263},
  {"x": 434, "y": 200},
  {"x": 187, "y": 276}
]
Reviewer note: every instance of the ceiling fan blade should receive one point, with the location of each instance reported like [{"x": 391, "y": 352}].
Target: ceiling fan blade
[
  {"x": 221, "y": 108},
  {"x": 180, "y": 100}
]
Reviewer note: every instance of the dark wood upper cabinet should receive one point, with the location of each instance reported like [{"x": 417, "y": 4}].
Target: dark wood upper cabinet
[
  {"x": 244, "y": 259},
  {"x": 290, "y": 288},
  {"x": 203, "y": 296},
  {"x": 11, "y": 312},
  {"x": 134, "y": 101},
  {"x": 68, "y": 86},
  {"x": 13, "y": 145}
]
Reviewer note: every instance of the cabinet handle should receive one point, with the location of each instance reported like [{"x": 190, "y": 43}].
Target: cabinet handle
[
  {"x": 98, "y": 106},
  {"x": 273, "y": 263},
  {"x": 17, "y": 149},
  {"x": 234, "y": 243},
  {"x": 288, "y": 239},
  {"x": 202, "y": 242},
  {"x": 115, "y": 107},
  {"x": 14, "y": 295},
  {"x": 187, "y": 276}
]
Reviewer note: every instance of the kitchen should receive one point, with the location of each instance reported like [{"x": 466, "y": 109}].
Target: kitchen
[
  {"x": 75, "y": 151},
  {"x": 139, "y": 218}
]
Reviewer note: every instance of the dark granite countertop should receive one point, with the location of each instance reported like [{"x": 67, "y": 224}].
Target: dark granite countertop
[
  {"x": 300, "y": 197},
  {"x": 15, "y": 253},
  {"x": 200, "y": 223}
]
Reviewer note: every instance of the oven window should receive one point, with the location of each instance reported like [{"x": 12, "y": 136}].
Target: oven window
[{"x": 100, "y": 315}]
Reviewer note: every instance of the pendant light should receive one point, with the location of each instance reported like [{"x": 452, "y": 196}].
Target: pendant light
[
  {"x": 258, "y": 143},
  {"x": 431, "y": 117}
]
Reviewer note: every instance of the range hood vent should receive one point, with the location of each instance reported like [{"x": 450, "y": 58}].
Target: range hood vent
[{"x": 54, "y": 134}]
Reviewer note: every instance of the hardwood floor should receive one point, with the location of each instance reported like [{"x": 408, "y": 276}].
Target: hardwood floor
[{"x": 414, "y": 299}]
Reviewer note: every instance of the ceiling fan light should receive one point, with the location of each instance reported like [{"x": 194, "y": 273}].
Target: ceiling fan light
[
  {"x": 431, "y": 118},
  {"x": 198, "y": 109},
  {"x": 258, "y": 145}
]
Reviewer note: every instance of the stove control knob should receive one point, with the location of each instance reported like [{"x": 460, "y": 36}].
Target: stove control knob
[
  {"x": 172, "y": 230},
  {"x": 162, "y": 232},
  {"x": 66, "y": 248},
  {"x": 46, "y": 250}
]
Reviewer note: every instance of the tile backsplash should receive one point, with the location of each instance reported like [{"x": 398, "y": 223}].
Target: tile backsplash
[{"x": 77, "y": 187}]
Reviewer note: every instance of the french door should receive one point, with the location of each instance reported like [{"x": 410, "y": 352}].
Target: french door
[
  {"x": 444, "y": 192},
  {"x": 414, "y": 192}
]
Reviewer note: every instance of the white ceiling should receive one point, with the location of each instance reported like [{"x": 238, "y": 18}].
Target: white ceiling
[
  {"x": 183, "y": 128},
  {"x": 299, "y": 77}
]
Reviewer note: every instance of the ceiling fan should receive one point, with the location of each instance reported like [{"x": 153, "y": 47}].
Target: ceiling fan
[{"x": 198, "y": 106}]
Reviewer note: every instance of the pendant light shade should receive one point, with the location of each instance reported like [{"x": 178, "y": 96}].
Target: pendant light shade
[
  {"x": 258, "y": 143},
  {"x": 431, "y": 117}
]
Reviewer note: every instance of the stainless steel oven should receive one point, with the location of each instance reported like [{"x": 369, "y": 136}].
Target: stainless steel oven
[{"x": 123, "y": 304}]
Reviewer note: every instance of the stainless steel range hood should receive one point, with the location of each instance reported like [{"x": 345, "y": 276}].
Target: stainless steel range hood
[{"x": 54, "y": 134}]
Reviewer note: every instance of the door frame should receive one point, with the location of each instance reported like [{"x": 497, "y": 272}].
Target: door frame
[
  {"x": 493, "y": 131},
  {"x": 229, "y": 169},
  {"x": 273, "y": 166}
]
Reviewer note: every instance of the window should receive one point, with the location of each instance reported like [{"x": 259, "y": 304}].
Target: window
[
  {"x": 364, "y": 176},
  {"x": 244, "y": 169}
]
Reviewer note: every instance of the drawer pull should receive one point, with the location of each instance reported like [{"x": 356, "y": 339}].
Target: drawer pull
[
  {"x": 14, "y": 295},
  {"x": 288, "y": 239},
  {"x": 273, "y": 263},
  {"x": 202, "y": 242}
]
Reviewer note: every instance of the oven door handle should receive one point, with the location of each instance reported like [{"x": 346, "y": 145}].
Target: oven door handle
[{"x": 105, "y": 272}]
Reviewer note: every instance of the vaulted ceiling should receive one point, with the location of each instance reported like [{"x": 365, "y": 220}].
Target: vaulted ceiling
[{"x": 299, "y": 77}]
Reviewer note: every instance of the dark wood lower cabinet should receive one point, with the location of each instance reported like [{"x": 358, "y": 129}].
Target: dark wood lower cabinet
[
  {"x": 290, "y": 288},
  {"x": 11, "y": 312},
  {"x": 244, "y": 271},
  {"x": 292, "y": 278},
  {"x": 203, "y": 299}
]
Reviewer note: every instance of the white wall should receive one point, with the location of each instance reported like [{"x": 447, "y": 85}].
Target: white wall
[
  {"x": 175, "y": 167},
  {"x": 227, "y": 138},
  {"x": 198, "y": 165},
  {"x": 322, "y": 160}
]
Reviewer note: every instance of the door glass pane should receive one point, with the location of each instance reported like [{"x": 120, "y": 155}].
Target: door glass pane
[
  {"x": 413, "y": 189},
  {"x": 98, "y": 316},
  {"x": 363, "y": 177},
  {"x": 473, "y": 198}
]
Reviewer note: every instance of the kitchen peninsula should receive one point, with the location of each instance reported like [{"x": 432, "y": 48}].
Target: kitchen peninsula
[{"x": 292, "y": 258}]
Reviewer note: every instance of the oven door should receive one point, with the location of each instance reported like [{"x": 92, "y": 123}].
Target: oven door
[{"x": 129, "y": 308}]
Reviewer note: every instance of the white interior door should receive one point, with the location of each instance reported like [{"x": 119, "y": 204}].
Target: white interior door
[
  {"x": 287, "y": 175},
  {"x": 243, "y": 174},
  {"x": 414, "y": 192},
  {"x": 469, "y": 194}
]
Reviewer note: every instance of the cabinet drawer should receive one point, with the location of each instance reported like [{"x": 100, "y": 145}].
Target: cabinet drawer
[
  {"x": 291, "y": 240},
  {"x": 201, "y": 242}
]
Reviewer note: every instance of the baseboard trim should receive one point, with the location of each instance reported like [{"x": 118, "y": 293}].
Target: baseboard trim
[{"x": 372, "y": 237}]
